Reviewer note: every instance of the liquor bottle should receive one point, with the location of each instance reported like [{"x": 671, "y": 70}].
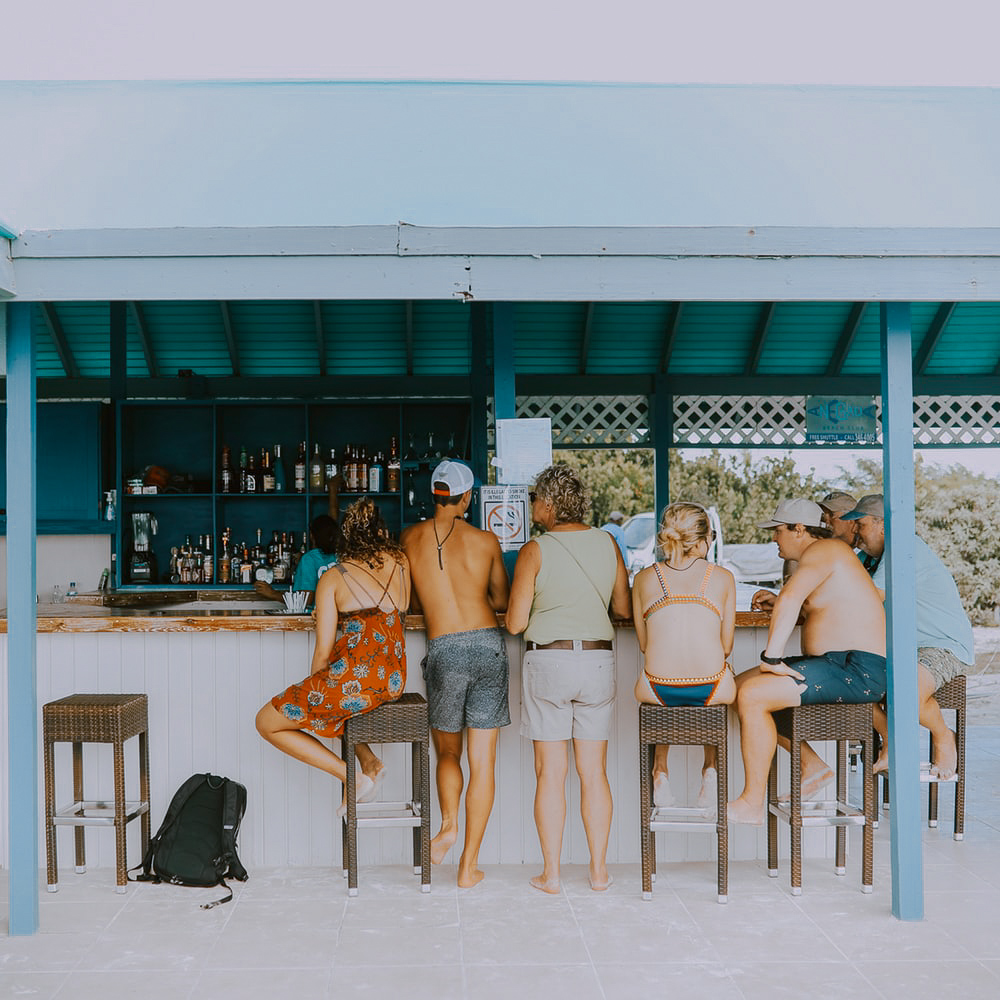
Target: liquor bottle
[
  {"x": 225, "y": 561},
  {"x": 251, "y": 477},
  {"x": 376, "y": 474},
  {"x": 174, "y": 573},
  {"x": 243, "y": 468},
  {"x": 267, "y": 472},
  {"x": 246, "y": 567},
  {"x": 208, "y": 561},
  {"x": 279, "y": 471},
  {"x": 186, "y": 561},
  {"x": 300, "y": 469},
  {"x": 363, "y": 471},
  {"x": 392, "y": 467},
  {"x": 316, "y": 470},
  {"x": 227, "y": 472},
  {"x": 330, "y": 472},
  {"x": 347, "y": 467}
]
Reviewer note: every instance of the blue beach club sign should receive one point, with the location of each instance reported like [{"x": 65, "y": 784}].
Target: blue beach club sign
[{"x": 841, "y": 418}]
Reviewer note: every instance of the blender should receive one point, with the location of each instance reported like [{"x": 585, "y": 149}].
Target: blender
[{"x": 142, "y": 559}]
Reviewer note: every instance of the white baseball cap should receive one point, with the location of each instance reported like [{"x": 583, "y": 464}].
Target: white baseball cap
[
  {"x": 457, "y": 477},
  {"x": 797, "y": 511}
]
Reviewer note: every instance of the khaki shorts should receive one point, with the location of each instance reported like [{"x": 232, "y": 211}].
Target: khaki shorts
[{"x": 567, "y": 693}]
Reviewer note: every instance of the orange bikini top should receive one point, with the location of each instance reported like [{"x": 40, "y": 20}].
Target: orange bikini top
[{"x": 668, "y": 599}]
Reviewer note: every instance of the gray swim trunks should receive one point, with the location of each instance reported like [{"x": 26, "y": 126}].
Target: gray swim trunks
[
  {"x": 942, "y": 664},
  {"x": 466, "y": 674}
]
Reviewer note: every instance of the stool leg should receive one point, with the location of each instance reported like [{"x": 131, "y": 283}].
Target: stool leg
[
  {"x": 144, "y": 787},
  {"x": 120, "y": 847},
  {"x": 81, "y": 855},
  {"x": 840, "y": 866},
  {"x": 351, "y": 818},
  {"x": 51, "y": 866},
  {"x": 932, "y": 792},
  {"x": 796, "y": 815},
  {"x": 646, "y": 836},
  {"x": 722, "y": 769},
  {"x": 772, "y": 820},
  {"x": 425, "y": 817},
  {"x": 869, "y": 807},
  {"x": 416, "y": 802},
  {"x": 960, "y": 784}
]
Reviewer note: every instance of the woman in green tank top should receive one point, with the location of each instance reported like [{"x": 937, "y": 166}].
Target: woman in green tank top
[{"x": 564, "y": 583}]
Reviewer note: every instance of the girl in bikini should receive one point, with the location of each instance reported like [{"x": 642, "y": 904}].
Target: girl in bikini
[
  {"x": 685, "y": 611},
  {"x": 366, "y": 594}
]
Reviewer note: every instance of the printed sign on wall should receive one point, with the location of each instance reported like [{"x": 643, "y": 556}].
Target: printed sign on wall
[
  {"x": 850, "y": 419},
  {"x": 506, "y": 511}
]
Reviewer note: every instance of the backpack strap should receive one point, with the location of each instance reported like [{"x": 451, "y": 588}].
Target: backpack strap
[
  {"x": 229, "y": 864},
  {"x": 173, "y": 811}
]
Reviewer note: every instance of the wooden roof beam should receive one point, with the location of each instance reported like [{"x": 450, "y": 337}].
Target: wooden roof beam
[
  {"x": 588, "y": 324},
  {"x": 932, "y": 337},
  {"x": 227, "y": 325},
  {"x": 58, "y": 335},
  {"x": 670, "y": 335},
  {"x": 846, "y": 339},
  {"x": 320, "y": 335},
  {"x": 760, "y": 337},
  {"x": 139, "y": 318}
]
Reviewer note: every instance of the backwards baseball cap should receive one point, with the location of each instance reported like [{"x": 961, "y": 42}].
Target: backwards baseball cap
[
  {"x": 797, "y": 511},
  {"x": 455, "y": 477},
  {"x": 869, "y": 506},
  {"x": 837, "y": 502},
  {"x": 616, "y": 516}
]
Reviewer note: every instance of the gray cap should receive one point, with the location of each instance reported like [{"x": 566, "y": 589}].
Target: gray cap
[
  {"x": 837, "y": 502},
  {"x": 869, "y": 506},
  {"x": 797, "y": 511},
  {"x": 616, "y": 516}
]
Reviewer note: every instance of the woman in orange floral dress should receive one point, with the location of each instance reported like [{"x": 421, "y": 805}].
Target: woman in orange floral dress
[{"x": 366, "y": 593}]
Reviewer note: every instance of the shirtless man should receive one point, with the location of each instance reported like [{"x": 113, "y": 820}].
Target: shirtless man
[
  {"x": 944, "y": 634},
  {"x": 459, "y": 583},
  {"x": 843, "y": 642}
]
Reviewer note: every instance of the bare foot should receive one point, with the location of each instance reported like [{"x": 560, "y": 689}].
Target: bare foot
[
  {"x": 364, "y": 789},
  {"x": 375, "y": 770},
  {"x": 603, "y": 885},
  {"x": 813, "y": 783},
  {"x": 543, "y": 884},
  {"x": 945, "y": 762},
  {"x": 882, "y": 764},
  {"x": 663, "y": 797},
  {"x": 741, "y": 811},
  {"x": 468, "y": 878},
  {"x": 708, "y": 797},
  {"x": 442, "y": 844}
]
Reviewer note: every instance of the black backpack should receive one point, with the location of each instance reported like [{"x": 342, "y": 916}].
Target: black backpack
[{"x": 196, "y": 842}]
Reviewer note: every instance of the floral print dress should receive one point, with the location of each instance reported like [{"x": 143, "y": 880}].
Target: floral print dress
[{"x": 367, "y": 668}]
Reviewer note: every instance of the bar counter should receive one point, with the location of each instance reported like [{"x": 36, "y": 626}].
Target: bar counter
[{"x": 207, "y": 664}]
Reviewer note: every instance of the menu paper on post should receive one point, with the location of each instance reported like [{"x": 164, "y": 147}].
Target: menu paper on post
[{"x": 524, "y": 448}]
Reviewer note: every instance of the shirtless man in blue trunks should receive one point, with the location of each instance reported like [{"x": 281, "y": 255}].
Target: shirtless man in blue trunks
[
  {"x": 459, "y": 583},
  {"x": 843, "y": 645}
]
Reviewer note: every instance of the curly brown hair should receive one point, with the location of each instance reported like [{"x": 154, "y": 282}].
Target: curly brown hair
[
  {"x": 365, "y": 537},
  {"x": 563, "y": 486}
]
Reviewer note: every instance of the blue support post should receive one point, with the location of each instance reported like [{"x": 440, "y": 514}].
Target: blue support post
[
  {"x": 662, "y": 412},
  {"x": 22, "y": 707},
  {"x": 504, "y": 389},
  {"x": 901, "y": 611}
]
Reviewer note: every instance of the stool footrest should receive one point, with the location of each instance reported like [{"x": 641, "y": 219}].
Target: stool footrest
[
  {"x": 98, "y": 812},
  {"x": 821, "y": 812}
]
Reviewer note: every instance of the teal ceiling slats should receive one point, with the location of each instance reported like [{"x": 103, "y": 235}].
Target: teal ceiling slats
[
  {"x": 368, "y": 338},
  {"x": 365, "y": 337}
]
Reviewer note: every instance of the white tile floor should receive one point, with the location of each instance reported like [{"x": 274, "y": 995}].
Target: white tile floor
[{"x": 294, "y": 932}]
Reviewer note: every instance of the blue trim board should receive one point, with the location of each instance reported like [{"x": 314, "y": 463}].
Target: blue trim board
[
  {"x": 22, "y": 695},
  {"x": 901, "y": 612}
]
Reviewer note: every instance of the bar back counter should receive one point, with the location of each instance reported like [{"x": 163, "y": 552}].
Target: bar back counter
[{"x": 208, "y": 665}]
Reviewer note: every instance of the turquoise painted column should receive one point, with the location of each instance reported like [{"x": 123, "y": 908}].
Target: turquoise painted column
[
  {"x": 662, "y": 414},
  {"x": 22, "y": 707},
  {"x": 504, "y": 388},
  {"x": 901, "y": 611}
]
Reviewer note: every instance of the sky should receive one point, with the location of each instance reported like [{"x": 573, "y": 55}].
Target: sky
[{"x": 863, "y": 42}]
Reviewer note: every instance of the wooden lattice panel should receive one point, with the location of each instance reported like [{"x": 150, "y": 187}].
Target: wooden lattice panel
[{"x": 956, "y": 420}]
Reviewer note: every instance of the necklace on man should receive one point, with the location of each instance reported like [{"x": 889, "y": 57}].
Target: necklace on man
[{"x": 441, "y": 541}]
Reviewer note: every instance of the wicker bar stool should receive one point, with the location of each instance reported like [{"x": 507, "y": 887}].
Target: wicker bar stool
[
  {"x": 401, "y": 721},
  {"x": 682, "y": 726},
  {"x": 95, "y": 718},
  {"x": 843, "y": 724}
]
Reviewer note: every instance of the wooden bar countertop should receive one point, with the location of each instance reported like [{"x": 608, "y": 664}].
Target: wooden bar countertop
[{"x": 208, "y": 611}]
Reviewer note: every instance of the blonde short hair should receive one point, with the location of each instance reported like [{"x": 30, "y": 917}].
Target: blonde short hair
[{"x": 682, "y": 526}]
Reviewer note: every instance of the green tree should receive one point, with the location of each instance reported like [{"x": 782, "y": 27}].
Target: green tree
[{"x": 616, "y": 478}]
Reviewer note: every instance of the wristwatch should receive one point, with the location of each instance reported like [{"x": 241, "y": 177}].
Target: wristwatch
[{"x": 771, "y": 659}]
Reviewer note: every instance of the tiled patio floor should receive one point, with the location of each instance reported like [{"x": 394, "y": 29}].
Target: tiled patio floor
[{"x": 294, "y": 932}]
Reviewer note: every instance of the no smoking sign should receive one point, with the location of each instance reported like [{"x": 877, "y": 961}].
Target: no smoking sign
[{"x": 504, "y": 511}]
